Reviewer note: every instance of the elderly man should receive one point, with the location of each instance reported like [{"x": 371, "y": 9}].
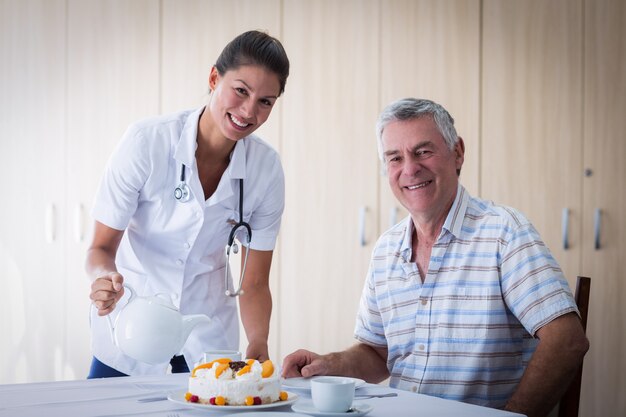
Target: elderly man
[{"x": 462, "y": 299}]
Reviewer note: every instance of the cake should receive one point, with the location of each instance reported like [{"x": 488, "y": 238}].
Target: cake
[{"x": 226, "y": 382}]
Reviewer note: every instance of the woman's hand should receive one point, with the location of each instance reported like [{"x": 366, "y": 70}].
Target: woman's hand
[
  {"x": 258, "y": 351},
  {"x": 106, "y": 291}
]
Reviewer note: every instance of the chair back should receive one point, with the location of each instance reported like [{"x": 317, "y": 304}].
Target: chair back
[{"x": 568, "y": 406}]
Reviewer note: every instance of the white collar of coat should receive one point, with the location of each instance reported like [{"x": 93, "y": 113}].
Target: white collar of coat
[{"x": 186, "y": 148}]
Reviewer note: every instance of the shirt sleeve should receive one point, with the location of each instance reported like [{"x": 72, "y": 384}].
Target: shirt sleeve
[
  {"x": 369, "y": 327},
  {"x": 266, "y": 218},
  {"x": 125, "y": 174},
  {"x": 533, "y": 284}
]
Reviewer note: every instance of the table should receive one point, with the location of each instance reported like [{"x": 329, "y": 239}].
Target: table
[{"x": 119, "y": 397}]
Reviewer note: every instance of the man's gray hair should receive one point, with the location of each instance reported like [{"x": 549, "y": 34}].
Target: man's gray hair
[{"x": 414, "y": 108}]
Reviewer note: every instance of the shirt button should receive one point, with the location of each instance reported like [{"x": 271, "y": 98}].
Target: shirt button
[
  {"x": 179, "y": 261},
  {"x": 187, "y": 245},
  {"x": 414, "y": 388},
  {"x": 421, "y": 347},
  {"x": 197, "y": 214},
  {"x": 424, "y": 301}
]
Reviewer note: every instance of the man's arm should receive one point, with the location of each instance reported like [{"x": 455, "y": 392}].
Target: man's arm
[
  {"x": 562, "y": 346},
  {"x": 360, "y": 361}
]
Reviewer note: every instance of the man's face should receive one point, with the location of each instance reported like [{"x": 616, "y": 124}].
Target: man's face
[{"x": 422, "y": 169}]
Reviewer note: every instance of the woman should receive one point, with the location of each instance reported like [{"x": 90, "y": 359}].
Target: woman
[{"x": 168, "y": 201}]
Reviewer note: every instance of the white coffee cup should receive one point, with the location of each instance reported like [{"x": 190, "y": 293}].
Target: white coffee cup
[
  {"x": 212, "y": 355},
  {"x": 332, "y": 394}
]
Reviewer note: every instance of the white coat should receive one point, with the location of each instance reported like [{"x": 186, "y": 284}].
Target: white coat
[{"x": 175, "y": 247}]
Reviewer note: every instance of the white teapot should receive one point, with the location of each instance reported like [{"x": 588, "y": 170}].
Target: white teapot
[{"x": 151, "y": 329}]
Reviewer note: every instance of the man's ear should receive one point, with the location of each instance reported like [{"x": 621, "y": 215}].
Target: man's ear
[{"x": 459, "y": 153}]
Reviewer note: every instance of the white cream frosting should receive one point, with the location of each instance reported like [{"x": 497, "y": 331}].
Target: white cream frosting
[{"x": 235, "y": 388}]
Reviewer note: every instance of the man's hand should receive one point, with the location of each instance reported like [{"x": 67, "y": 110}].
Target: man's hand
[
  {"x": 359, "y": 361},
  {"x": 106, "y": 291},
  {"x": 304, "y": 363}
]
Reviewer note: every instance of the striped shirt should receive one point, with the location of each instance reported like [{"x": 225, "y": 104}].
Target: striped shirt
[{"x": 466, "y": 332}]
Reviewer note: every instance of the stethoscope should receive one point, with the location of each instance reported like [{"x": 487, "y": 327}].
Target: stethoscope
[{"x": 182, "y": 193}]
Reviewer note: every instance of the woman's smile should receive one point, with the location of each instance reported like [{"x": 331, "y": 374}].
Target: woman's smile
[{"x": 239, "y": 123}]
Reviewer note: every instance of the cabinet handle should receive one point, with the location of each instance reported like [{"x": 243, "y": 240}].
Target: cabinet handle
[
  {"x": 393, "y": 216},
  {"x": 565, "y": 228},
  {"x": 79, "y": 231},
  {"x": 362, "y": 212},
  {"x": 50, "y": 223},
  {"x": 597, "y": 220}
]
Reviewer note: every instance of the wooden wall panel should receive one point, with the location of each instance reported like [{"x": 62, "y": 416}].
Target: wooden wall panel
[
  {"x": 32, "y": 174},
  {"x": 604, "y": 377},
  {"x": 531, "y": 115},
  {"x": 113, "y": 80},
  {"x": 330, "y": 160},
  {"x": 431, "y": 49}
]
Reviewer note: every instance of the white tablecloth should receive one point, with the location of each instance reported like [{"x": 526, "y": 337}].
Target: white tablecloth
[{"x": 113, "y": 397}]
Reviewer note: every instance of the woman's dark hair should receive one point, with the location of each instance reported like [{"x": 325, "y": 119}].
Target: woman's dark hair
[{"x": 255, "y": 48}]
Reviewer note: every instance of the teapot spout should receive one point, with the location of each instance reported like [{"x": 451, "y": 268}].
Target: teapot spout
[{"x": 191, "y": 321}]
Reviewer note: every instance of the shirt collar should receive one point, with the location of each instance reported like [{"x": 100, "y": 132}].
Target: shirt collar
[
  {"x": 185, "y": 152},
  {"x": 456, "y": 215},
  {"x": 452, "y": 224},
  {"x": 237, "y": 166}
]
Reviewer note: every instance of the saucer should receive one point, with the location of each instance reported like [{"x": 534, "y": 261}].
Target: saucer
[
  {"x": 301, "y": 383},
  {"x": 306, "y": 407},
  {"x": 268, "y": 414}
]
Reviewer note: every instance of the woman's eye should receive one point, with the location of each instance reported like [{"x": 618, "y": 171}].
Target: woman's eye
[
  {"x": 241, "y": 90},
  {"x": 266, "y": 102}
]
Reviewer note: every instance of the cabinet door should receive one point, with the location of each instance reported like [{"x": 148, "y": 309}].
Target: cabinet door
[
  {"x": 329, "y": 154},
  {"x": 32, "y": 172},
  {"x": 604, "y": 124},
  {"x": 193, "y": 36},
  {"x": 113, "y": 80},
  {"x": 431, "y": 49},
  {"x": 531, "y": 116}
]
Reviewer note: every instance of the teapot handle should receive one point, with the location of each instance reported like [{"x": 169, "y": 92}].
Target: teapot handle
[{"x": 111, "y": 325}]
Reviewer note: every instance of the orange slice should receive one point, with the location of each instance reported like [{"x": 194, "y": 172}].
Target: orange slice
[
  {"x": 210, "y": 364},
  {"x": 220, "y": 369},
  {"x": 244, "y": 370},
  {"x": 267, "y": 369}
]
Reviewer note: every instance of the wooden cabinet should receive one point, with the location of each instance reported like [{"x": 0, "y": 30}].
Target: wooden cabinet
[
  {"x": 329, "y": 153},
  {"x": 112, "y": 80},
  {"x": 431, "y": 49},
  {"x": 604, "y": 151},
  {"x": 531, "y": 155},
  {"x": 554, "y": 100},
  {"x": 77, "y": 73},
  {"x": 32, "y": 163}
]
